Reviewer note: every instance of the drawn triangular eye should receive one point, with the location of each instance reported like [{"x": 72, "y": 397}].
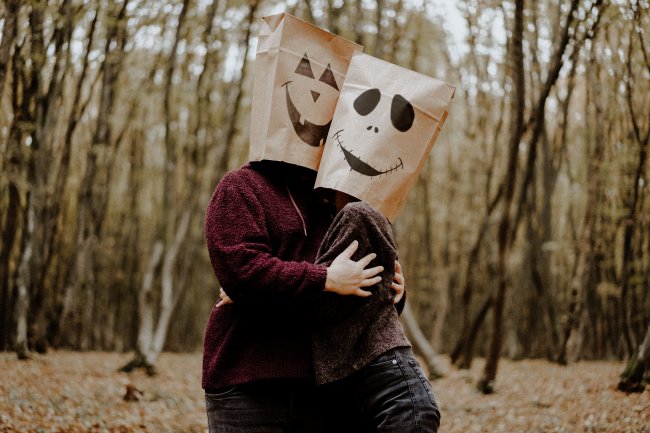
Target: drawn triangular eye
[
  {"x": 401, "y": 113},
  {"x": 367, "y": 101},
  {"x": 304, "y": 67},
  {"x": 328, "y": 77}
]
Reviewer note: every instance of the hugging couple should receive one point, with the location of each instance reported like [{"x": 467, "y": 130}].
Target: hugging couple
[{"x": 306, "y": 336}]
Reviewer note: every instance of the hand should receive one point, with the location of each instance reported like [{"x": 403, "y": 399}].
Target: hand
[
  {"x": 346, "y": 277},
  {"x": 398, "y": 283},
  {"x": 223, "y": 298}
]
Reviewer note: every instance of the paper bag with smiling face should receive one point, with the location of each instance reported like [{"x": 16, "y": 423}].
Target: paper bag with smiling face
[
  {"x": 299, "y": 70},
  {"x": 385, "y": 123}
]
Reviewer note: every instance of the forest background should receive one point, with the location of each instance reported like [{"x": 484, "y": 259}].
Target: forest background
[{"x": 526, "y": 236}]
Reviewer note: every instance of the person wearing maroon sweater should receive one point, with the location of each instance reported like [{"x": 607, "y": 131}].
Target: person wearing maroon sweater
[{"x": 264, "y": 225}]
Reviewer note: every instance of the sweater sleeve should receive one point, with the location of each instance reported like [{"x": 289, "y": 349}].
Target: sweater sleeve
[
  {"x": 240, "y": 250},
  {"x": 358, "y": 221}
]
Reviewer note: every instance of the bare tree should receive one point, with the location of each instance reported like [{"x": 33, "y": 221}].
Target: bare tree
[
  {"x": 12, "y": 166},
  {"x": 486, "y": 384},
  {"x": 169, "y": 238},
  {"x": 632, "y": 376},
  {"x": 94, "y": 189},
  {"x": 9, "y": 32},
  {"x": 234, "y": 116}
]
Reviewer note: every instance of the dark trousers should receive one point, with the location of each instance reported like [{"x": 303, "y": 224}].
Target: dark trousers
[
  {"x": 389, "y": 395},
  {"x": 276, "y": 406}
]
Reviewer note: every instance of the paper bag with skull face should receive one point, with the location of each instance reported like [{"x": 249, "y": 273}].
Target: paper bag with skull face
[
  {"x": 385, "y": 123},
  {"x": 299, "y": 70}
]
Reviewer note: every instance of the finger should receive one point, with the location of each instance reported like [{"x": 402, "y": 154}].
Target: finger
[
  {"x": 349, "y": 251},
  {"x": 220, "y": 303},
  {"x": 370, "y": 282},
  {"x": 367, "y": 259},
  {"x": 362, "y": 293},
  {"x": 398, "y": 278},
  {"x": 398, "y": 267},
  {"x": 371, "y": 272},
  {"x": 399, "y": 292}
]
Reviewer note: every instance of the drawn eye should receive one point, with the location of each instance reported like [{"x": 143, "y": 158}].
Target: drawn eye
[
  {"x": 304, "y": 67},
  {"x": 401, "y": 113},
  {"x": 367, "y": 101},
  {"x": 328, "y": 77}
]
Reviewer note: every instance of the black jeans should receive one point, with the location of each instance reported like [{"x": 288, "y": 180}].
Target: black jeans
[
  {"x": 276, "y": 406},
  {"x": 389, "y": 395}
]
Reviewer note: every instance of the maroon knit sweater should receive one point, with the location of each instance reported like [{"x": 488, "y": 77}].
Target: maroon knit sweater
[{"x": 263, "y": 227}]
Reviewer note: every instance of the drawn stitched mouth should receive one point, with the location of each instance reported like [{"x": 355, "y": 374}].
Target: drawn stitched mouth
[
  {"x": 310, "y": 133},
  {"x": 359, "y": 165}
]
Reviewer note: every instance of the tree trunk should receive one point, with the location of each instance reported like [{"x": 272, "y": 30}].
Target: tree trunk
[
  {"x": 9, "y": 33},
  {"x": 231, "y": 132},
  {"x": 52, "y": 217},
  {"x": 486, "y": 384},
  {"x": 420, "y": 342},
  {"x": 586, "y": 242},
  {"x": 146, "y": 315},
  {"x": 79, "y": 298},
  {"x": 30, "y": 112},
  {"x": 630, "y": 220},
  {"x": 48, "y": 109},
  {"x": 14, "y": 162},
  {"x": 467, "y": 349},
  {"x": 151, "y": 341},
  {"x": 8, "y": 238},
  {"x": 633, "y": 376},
  {"x": 169, "y": 297},
  {"x": 23, "y": 282}
]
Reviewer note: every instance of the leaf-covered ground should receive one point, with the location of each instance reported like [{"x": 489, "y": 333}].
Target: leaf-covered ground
[{"x": 82, "y": 392}]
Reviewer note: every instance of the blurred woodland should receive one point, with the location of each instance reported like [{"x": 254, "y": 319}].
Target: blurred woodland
[{"x": 528, "y": 234}]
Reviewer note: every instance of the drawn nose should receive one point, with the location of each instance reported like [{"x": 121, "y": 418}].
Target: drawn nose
[
  {"x": 314, "y": 95},
  {"x": 370, "y": 127}
]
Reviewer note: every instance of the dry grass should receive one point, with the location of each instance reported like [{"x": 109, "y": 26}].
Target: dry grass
[{"x": 82, "y": 392}]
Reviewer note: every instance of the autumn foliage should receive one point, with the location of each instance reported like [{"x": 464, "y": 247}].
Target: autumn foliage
[{"x": 83, "y": 392}]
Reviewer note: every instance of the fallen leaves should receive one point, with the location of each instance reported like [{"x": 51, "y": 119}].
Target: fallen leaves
[
  {"x": 82, "y": 392},
  {"x": 540, "y": 397}
]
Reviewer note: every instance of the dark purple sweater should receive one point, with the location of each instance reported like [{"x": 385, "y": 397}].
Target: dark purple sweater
[{"x": 263, "y": 227}]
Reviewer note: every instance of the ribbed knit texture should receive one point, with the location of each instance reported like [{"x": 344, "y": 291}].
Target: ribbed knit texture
[
  {"x": 352, "y": 331},
  {"x": 265, "y": 263}
]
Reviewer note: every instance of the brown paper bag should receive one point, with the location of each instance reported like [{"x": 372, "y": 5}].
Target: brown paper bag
[
  {"x": 299, "y": 71},
  {"x": 386, "y": 121}
]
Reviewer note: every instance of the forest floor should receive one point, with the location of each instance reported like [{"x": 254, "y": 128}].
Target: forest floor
[{"x": 82, "y": 392}]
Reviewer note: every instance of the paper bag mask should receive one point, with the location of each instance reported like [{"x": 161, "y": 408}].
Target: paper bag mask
[
  {"x": 299, "y": 70},
  {"x": 385, "y": 123}
]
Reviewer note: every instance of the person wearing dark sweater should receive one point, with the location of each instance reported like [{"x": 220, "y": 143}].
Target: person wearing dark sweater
[
  {"x": 364, "y": 362},
  {"x": 264, "y": 225}
]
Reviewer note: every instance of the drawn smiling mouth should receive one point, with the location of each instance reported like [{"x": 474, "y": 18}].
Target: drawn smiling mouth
[
  {"x": 310, "y": 133},
  {"x": 360, "y": 166}
]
